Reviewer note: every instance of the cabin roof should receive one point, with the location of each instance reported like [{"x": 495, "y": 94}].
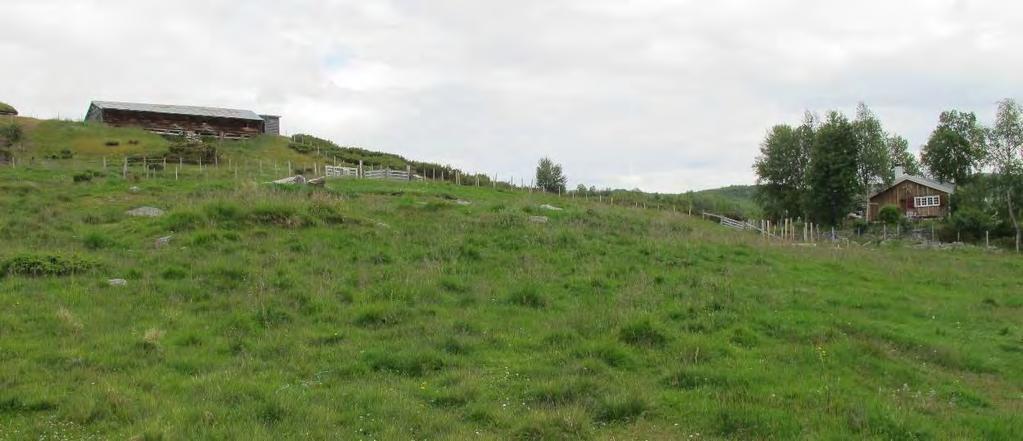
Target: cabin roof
[
  {"x": 210, "y": 112},
  {"x": 940, "y": 186}
]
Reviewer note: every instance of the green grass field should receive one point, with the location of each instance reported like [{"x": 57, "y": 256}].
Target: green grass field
[{"x": 388, "y": 310}]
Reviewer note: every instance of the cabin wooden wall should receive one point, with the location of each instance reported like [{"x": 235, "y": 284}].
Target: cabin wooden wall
[
  {"x": 902, "y": 196},
  {"x": 180, "y": 124}
]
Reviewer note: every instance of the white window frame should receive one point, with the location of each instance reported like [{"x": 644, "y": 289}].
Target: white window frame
[{"x": 927, "y": 201}]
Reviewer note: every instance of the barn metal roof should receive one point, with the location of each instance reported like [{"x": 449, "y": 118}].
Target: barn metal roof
[
  {"x": 940, "y": 186},
  {"x": 213, "y": 112}
]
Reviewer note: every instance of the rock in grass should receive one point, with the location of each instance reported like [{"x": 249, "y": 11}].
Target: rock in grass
[
  {"x": 117, "y": 282},
  {"x": 550, "y": 207},
  {"x": 538, "y": 219},
  {"x": 463, "y": 202},
  {"x": 163, "y": 241},
  {"x": 145, "y": 212},
  {"x": 135, "y": 189}
]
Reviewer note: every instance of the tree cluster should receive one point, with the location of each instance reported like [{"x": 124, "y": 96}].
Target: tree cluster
[
  {"x": 822, "y": 170},
  {"x": 825, "y": 168}
]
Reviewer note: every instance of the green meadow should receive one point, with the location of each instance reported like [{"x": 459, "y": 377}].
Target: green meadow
[{"x": 423, "y": 310}]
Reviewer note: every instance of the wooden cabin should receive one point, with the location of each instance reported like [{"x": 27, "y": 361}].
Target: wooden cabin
[
  {"x": 184, "y": 120},
  {"x": 916, "y": 197}
]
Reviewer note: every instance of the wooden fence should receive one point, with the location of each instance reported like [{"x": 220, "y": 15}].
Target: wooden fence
[{"x": 332, "y": 171}]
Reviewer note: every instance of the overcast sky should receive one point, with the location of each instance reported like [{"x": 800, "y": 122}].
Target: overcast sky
[{"x": 662, "y": 95}]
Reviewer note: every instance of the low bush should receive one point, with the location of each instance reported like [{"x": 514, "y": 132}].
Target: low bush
[
  {"x": 642, "y": 333},
  {"x": 889, "y": 214},
  {"x": 552, "y": 429},
  {"x": 97, "y": 241},
  {"x": 38, "y": 265},
  {"x": 224, "y": 211},
  {"x": 326, "y": 212},
  {"x": 276, "y": 214},
  {"x": 620, "y": 409},
  {"x": 411, "y": 363},
  {"x": 378, "y": 316},
  {"x": 528, "y": 296},
  {"x": 970, "y": 224},
  {"x": 183, "y": 220}
]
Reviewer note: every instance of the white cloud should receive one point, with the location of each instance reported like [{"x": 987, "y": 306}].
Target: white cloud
[{"x": 662, "y": 95}]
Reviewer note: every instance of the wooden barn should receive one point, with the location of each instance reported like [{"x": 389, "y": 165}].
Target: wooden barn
[
  {"x": 184, "y": 120},
  {"x": 916, "y": 197}
]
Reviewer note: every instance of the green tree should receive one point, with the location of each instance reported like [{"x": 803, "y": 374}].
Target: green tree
[
  {"x": 1005, "y": 155},
  {"x": 898, "y": 150},
  {"x": 834, "y": 171},
  {"x": 956, "y": 148},
  {"x": 874, "y": 160},
  {"x": 549, "y": 176},
  {"x": 779, "y": 180},
  {"x": 781, "y": 169}
]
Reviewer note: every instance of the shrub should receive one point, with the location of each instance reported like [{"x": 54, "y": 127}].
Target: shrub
[
  {"x": 621, "y": 409},
  {"x": 889, "y": 214},
  {"x": 326, "y": 212},
  {"x": 527, "y": 296},
  {"x": 552, "y": 430},
  {"x": 37, "y": 265},
  {"x": 112, "y": 143},
  {"x": 183, "y": 220},
  {"x": 10, "y": 134},
  {"x": 412, "y": 364},
  {"x": 301, "y": 148},
  {"x": 223, "y": 211},
  {"x": 82, "y": 177},
  {"x": 642, "y": 333},
  {"x": 96, "y": 240},
  {"x": 276, "y": 214},
  {"x": 378, "y": 316},
  {"x": 971, "y": 223}
]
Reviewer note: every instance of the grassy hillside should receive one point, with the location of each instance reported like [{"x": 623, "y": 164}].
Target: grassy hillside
[{"x": 376, "y": 310}]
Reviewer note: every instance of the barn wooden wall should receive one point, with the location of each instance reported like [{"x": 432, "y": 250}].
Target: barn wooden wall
[
  {"x": 902, "y": 196},
  {"x": 178, "y": 124}
]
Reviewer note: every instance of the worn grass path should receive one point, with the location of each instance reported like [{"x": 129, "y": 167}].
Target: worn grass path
[{"x": 375, "y": 310}]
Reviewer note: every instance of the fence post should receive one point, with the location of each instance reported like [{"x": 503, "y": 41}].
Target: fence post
[
  {"x": 987, "y": 239},
  {"x": 124, "y": 170},
  {"x": 408, "y": 171},
  {"x": 359, "y": 172},
  {"x": 178, "y": 168},
  {"x": 290, "y": 170},
  {"x": 104, "y": 163}
]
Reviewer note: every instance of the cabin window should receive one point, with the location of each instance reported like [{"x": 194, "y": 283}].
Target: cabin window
[{"x": 927, "y": 201}]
